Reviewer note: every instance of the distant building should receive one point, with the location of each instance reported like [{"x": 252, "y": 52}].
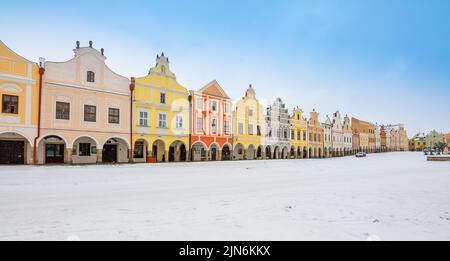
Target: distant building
[
  {"x": 327, "y": 138},
  {"x": 433, "y": 138},
  {"x": 299, "y": 135},
  {"x": 348, "y": 136},
  {"x": 417, "y": 142},
  {"x": 278, "y": 129},
  {"x": 337, "y": 135},
  {"x": 315, "y": 136}
]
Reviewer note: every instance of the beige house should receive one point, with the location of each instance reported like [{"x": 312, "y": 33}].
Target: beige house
[{"x": 85, "y": 111}]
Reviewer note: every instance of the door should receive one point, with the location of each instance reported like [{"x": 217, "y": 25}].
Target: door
[
  {"x": 54, "y": 153},
  {"x": 12, "y": 152},
  {"x": 213, "y": 154},
  {"x": 109, "y": 154}
]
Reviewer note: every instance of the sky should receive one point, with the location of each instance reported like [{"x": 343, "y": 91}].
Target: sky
[{"x": 386, "y": 62}]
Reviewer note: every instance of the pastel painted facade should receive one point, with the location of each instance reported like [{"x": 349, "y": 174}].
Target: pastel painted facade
[
  {"x": 211, "y": 132},
  {"x": 388, "y": 138},
  {"x": 85, "y": 111},
  {"x": 278, "y": 130},
  {"x": 362, "y": 130},
  {"x": 315, "y": 136},
  {"x": 19, "y": 93},
  {"x": 338, "y": 135},
  {"x": 433, "y": 138},
  {"x": 383, "y": 139},
  {"x": 348, "y": 136},
  {"x": 249, "y": 128},
  {"x": 377, "y": 138},
  {"x": 417, "y": 142},
  {"x": 327, "y": 138},
  {"x": 404, "y": 142},
  {"x": 299, "y": 135},
  {"x": 372, "y": 146},
  {"x": 161, "y": 111}
]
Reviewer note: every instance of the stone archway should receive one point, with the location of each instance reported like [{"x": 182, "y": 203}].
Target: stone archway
[
  {"x": 198, "y": 151},
  {"x": 250, "y": 155},
  {"x": 238, "y": 152},
  {"x": 214, "y": 152},
  {"x": 226, "y": 152},
  {"x": 177, "y": 152},
  {"x": 159, "y": 151},
  {"x": 276, "y": 153},
  {"x": 15, "y": 149},
  {"x": 140, "y": 151},
  {"x": 284, "y": 153},
  {"x": 293, "y": 153},
  {"x": 259, "y": 152},
  {"x": 268, "y": 152},
  {"x": 115, "y": 150},
  {"x": 85, "y": 151}
]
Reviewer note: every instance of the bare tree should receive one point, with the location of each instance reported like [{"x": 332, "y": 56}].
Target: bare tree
[{"x": 441, "y": 146}]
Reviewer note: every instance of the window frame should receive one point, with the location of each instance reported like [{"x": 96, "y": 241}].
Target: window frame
[
  {"x": 63, "y": 113},
  {"x": 90, "y": 113},
  {"x": 10, "y": 103},
  {"x": 113, "y": 116}
]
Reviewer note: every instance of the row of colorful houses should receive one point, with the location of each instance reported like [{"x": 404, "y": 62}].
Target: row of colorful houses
[{"x": 80, "y": 112}]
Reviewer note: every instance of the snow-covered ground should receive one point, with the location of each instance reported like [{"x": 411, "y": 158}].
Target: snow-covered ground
[{"x": 395, "y": 196}]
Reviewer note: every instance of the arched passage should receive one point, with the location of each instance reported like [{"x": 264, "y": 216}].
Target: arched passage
[
  {"x": 292, "y": 153},
  {"x": 285, "y": 153},
  {"x": 15, "y": 149},
  {"x": 158, "y": 151},
  {"x": 177, "y": 152},
  {"x": 238, "y": 152},
  {"x": 198, "y": 151},
  {"x": 268, "y": 152},
  {"x": 276, "y": 153},
  {"x": 259, "y": 152},
  {"x": 250, "y": 155},
  {"x": 226, "y": 152},
  {"x": 140, "y": 151},
  {"x": 85, "y": 151},
  {"x": 115, "y": 150},
  {"x": 214, "y": 152}
]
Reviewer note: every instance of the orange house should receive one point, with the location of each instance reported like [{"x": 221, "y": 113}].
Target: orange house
[{"x": 211, "y": 132}]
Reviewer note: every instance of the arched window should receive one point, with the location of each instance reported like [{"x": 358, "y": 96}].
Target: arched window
[
  {"x": 90, "y": 76},
  {"x": 163, "y": 69}
]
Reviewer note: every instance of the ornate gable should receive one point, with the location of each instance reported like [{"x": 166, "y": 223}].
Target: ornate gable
[{"x": 213, "y": 88}]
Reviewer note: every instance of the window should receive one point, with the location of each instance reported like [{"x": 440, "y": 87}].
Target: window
[
  {"x": 227, "y": 108},
  {"x": 62, "y": 111},
  {"x": 315, "y": 137},
  {"x": 227, "y": 126},
  {"x": 310, "y": 137},
  {"x": 162, "y": 98},
  {"x": 199, "y": 123},
  {"x": 214, "y": 124},
  {"x": 179, "y": 122},
  {"x": 258, "y": 130},
  {"x": 90, "y": 76},
  {"x": 241, "y": 128},
  {"x": 162, "y": 120},
  {"x": 143, "y": 118},
  {"x": 214, "y": 106},
  {"x": 114, "y": 116},
  {"x": 10, "y": 104},
  {"x": 293, "y": 135},
  {"x": 250, "y": 112},
  {"x": 250, "y": 129},
  {"x": 304, "y": 136},
  {"x": 90, "y": 113},
  {"x": 163, "y": 69},
  {"x": 199, "y": 104},
  {"x": 285, "y": 134},
  {"x": 299, "y": 136},
  {"x": 84, "y": 149}
]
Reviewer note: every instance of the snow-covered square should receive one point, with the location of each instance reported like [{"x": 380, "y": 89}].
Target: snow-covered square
[{"x": 391, "y": 196}]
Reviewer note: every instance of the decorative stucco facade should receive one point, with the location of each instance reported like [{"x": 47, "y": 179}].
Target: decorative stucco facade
[
  {"x": 278, "y": 129},
  {"x": 85, "y": 111}
]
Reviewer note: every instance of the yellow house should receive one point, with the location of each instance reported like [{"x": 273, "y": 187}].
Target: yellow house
[
  {"x": 19, "y": 91},
  {"x": 299, "y": 135},
  {"x": 248, "y": 128},
  {"x": 161, "y": 116}
]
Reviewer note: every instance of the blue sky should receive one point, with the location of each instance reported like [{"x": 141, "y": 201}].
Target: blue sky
[{"x": 381, "y": 61}]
